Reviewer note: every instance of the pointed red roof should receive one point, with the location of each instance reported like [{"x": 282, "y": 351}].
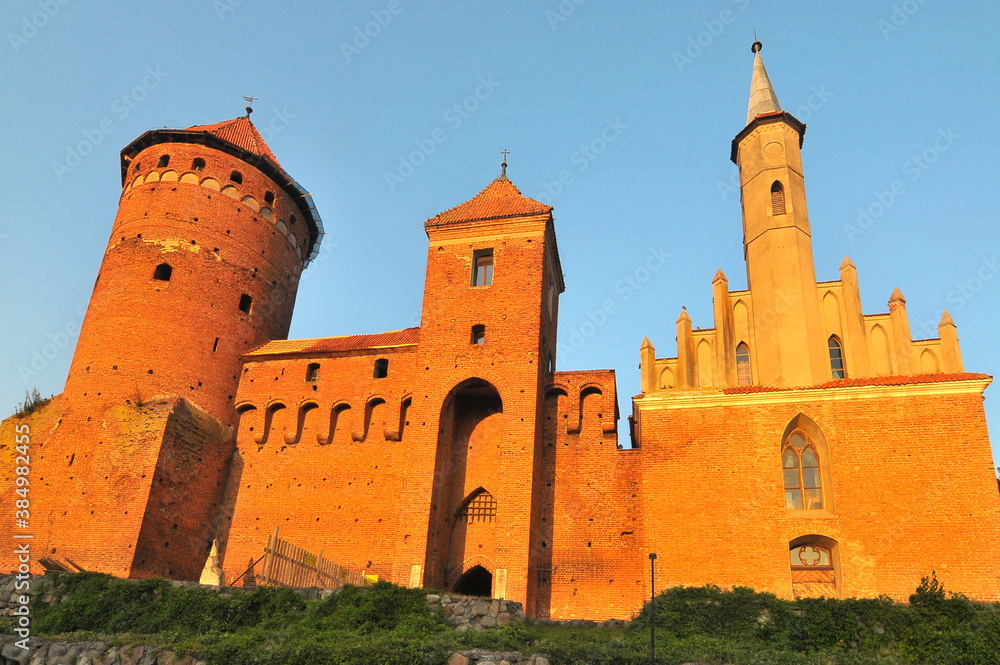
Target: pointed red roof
[
  {"x": 241, "y": 133},
  {"x": 500, "y": 199}
]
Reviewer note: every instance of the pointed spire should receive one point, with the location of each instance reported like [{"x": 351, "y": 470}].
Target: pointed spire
[
  {"x": 897, "y": 296},
  {"x": 847, "y": 263},
  {"x": 684, "y": 315},
  {"x": 720, "y": 276},
  {"x": 646, "y": 344},
  {"x": 762, "y": 97},
  {"x": 946, "y": 320}
]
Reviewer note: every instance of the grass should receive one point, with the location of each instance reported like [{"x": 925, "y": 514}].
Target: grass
[{"x": 389, "y": 625}]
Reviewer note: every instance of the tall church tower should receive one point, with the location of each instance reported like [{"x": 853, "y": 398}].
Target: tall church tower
[{"x": 777, "y": 241}]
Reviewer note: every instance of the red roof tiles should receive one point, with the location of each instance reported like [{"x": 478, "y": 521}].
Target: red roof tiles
[
  {"x": 241, "y": 133},
  {"x": 500, "y": 199},
  {"x": 392, "y": 338},
  {"x": 939, "y": 377}
]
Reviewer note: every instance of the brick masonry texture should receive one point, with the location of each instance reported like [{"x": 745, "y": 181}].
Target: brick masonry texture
[{"x": 428, "y": 459}]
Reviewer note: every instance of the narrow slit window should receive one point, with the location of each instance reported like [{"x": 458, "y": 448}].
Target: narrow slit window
[
  {"x": 777, "y": 199},
  {"x": 837, "y": 358},
  {"x": 163, "y": 272},
  {"x": 479, "y": 334},
  {"x": 246, "y": 302},
  {"x": 215, "y": 347},
  {"x": 236, "y": 177},
  {"x": 381, "y": 368},
  {"x": 312, "y": 372},
  {"x": 743, "y": 375},
  {"x": 164, "y": 162},
  {"x": 198, "y": 164},
  {"x": 482, "y": 267}
]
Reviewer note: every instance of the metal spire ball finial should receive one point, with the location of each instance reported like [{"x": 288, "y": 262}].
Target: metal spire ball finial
[
  {"x": 756, "y": 47},
  {"x": 503, "y": 165}
]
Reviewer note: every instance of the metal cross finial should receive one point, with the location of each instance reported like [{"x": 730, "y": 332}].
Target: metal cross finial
[
  {"x": 504, "y": 164},
  {"x": 250, "y": 101}
]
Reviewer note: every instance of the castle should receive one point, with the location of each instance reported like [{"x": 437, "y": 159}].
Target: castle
[{"x": 800, "y": 446}]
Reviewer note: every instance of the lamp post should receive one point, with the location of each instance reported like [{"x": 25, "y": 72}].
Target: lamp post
[{"x": 652, "y": 608}]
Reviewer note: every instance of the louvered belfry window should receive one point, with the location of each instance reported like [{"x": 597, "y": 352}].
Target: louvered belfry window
[{"x": 777, "y": 199}]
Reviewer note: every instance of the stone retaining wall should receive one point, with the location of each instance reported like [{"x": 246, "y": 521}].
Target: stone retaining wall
[{"x": 472, "y": 613}]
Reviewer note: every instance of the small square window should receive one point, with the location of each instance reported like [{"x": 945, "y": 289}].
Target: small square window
[
  {"x": 381, "y": 368},
  {"x": 478, "y": 334},
  {"x": 312, "y": 372},
  {"x": 482, "y": 267}
]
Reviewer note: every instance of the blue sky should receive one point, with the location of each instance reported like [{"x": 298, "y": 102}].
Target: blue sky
[{"x": 877, "y": 83}]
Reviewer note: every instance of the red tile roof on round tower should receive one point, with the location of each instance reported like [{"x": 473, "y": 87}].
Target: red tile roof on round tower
[
  {"x": 500, "y": 199},
  {"x": 241, "y": 133}
]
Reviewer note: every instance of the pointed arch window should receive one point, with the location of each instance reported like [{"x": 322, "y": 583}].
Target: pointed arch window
[
  {"x": 743, "y": 375},
  {"x": 801, "y": 469},
  {"x": 777, "y": 199},
  {"x": 837, "y": 358}
]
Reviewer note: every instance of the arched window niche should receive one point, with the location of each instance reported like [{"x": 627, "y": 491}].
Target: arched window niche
[
  {"x": 806, "y": 469},
  {"x": 815, "y": 567}
]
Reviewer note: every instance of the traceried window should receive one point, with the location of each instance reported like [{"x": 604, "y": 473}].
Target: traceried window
[
  {"x": 482, "y": 507},
  {"x": 813, "y": 573},
  {"x": 777, "y": 199},
  {"x": 743, "y": 376},
  {"x": 837, "y": 358},
  {"x": 482, "y": 267},
  {"x": 800, "y": 465}
]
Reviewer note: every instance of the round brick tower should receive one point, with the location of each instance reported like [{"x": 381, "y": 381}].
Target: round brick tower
[{"x": 203, "y": 266}]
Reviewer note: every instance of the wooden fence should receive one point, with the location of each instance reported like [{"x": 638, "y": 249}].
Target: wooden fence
[{"x": 284, "y": 564}]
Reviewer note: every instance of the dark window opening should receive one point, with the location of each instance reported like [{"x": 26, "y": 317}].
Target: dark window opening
[
  {"x": 743, "y": 376},
  {"x": 479, "y": 334},
  {"x": 291, "y": 221},
  {"x": 269, "y": 197},
  {"x": 164, "y": 161},
  {"x": 138, "y": 166},
  {"x": 215, "y": 347},
  {"x": 236, "y": 177},
  {"x": 777, "y": 199},
  {"x": 312, "y": 372},
  {"x": 837, "y": 358},
  {"x": 552, "y": 364},
  {"x": 163, "y": 272},
  {"x": 246, "y": 302},
  {"x": 198, "y": 164},
  {"x": 482, "y": 267},
  {"x": 381, "y": 368}
]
